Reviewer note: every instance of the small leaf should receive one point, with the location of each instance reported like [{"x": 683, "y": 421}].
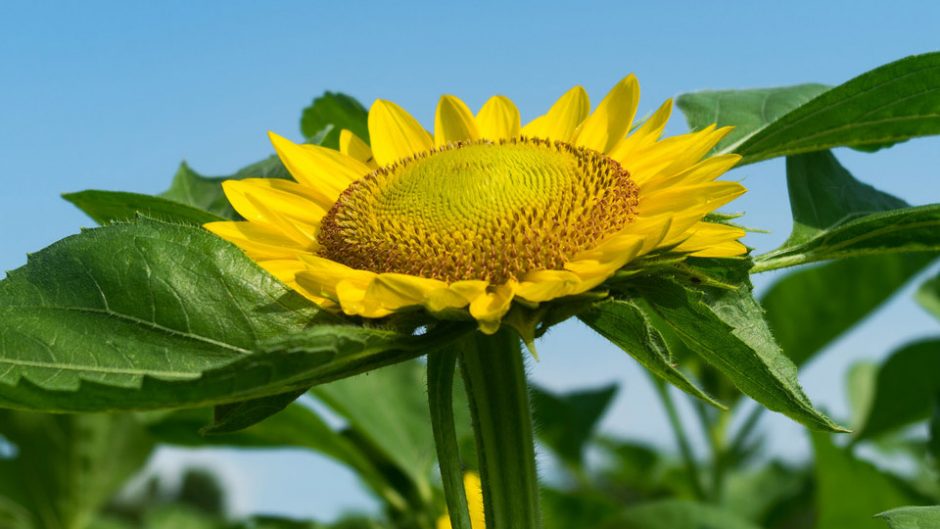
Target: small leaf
[
  {"x": 205, "y": 192},
  {"x": 891, "y": 103},
  {"x": 323, "y": 120},
  {"x": 860, "y": 385},
  {"x": 905, "y": 389},
  {"x": 727, "y": 329},
  {"x": 748, "y": 111},
  {"x": 928, "y": 295},
  {"x": 836, "y": 216},
  {"x": 849, "y": 491},
  {"x": 106, "y": 207},
  {"x": 236, "y": 416},
  {"x": 676, "y": 514},
  {"x": 626, "y": 326},
  {"x": 912, "y": 517},
  {"x": 567, "y": 421}
]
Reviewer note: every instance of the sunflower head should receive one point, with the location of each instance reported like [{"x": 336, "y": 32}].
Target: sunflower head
[{"x": 485, "y": 212}]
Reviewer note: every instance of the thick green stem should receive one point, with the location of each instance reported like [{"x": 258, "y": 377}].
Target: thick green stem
[
  {"x": 441, "y": 366},
  {"x": 495, "y": 380},
  {"x": 682, "y": 439}
]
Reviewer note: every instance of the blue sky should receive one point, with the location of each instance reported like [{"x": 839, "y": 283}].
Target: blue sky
[{"x": 113, "y": 95}]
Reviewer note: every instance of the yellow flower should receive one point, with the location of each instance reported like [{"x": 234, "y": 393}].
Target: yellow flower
[
  {"x": 474, "y": 492},
  {"x": 484, "y": 211}
]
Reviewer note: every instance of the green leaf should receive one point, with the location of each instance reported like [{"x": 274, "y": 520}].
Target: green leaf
[
  {"x": 330, "y": 113},
  {"x": 905, "y": 389},
  {"x": 727, "y": 329},
  {"x": 151, "y": 315},
  {"x": 567, "y": 421},
  {"x": 824, "y": 194},
  {"x": 205, "y": 192},
  {"x": 676, "y": 514},
  {"x": 389, "y": 408},
  {"x": 106, "y": 207},
  {"x": 755, "y": 495},
  {"x": 860, "y": 390},
  {"x": 928, "y": 295},
  {"x": 912, "y": 517},
  {"x": 748, "y": 111},
  {"x": 68, "y": 466},
  {"x": 849, "y": 492},
  {"x": 891, "y": 103},
  {"x": 836, "y": 216},
  {"x": 625, "y": 325},
  {"x": 809, "y": 308},
  {"x": 240, "y": 415}
]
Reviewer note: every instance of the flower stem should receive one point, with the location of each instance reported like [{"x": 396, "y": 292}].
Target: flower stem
[
  {"x": 495, "y": 380},
  {"x": 441, "y": 366}
]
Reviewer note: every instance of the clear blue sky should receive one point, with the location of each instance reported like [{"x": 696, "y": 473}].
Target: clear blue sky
[{"x": 112, "y": 95}]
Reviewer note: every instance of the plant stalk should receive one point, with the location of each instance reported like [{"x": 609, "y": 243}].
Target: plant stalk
[
  {"x": 495, "y": 380},
  {"x": 441, "y": 366}
]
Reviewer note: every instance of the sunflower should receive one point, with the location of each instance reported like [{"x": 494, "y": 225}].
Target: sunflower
[{"x": 484, "y": 211}]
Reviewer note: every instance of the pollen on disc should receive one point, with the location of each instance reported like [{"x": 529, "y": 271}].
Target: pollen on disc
[{"x": 480, "y": 210}]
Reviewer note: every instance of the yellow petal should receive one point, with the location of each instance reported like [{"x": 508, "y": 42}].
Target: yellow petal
[
  {"x": 395, "y": 134},
  {"x": 352, "y": 146},
  {"x": 395, "y": 291},
  {"x": 702, "y": 198},
  {"x": 454, "y": 122},
  {"x": 563, "y": 118},
  {"x": 325, "y": 171},
  {"x": 259, "y": 241},
  {"x": 705, "y": 171},
  {"x": 283, "y": 269},
  {"x": 498, "y": 119},
  {"x": 545, "y": 285},
  {"x": 489, "y": 308},
  {"x": 609, "y": 123},
  {"x": 645, "y": 135},
  {"x": 710, "y": 239},
  {"x": 292, "y": 200}
]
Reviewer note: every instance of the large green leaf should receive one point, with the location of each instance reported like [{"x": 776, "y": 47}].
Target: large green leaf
[
  {"x": 928, "y": 295},
  {"x": 205, "y": 192},
  {"x": 676, "y": 514},
  {"x": 624, "y": 324},
  {"x": 912, "y": 517},
  {"x": 567, "y": 421},
  {"x": 105, "y": 207},
  {"x": 330, "y": 113},
  {"x": 67, "y": 466},
  {"x": 152, "y": 315},
  {"x": 836, "y": 216},
  {"x": 748, "y": 111},
  {"x": 389, "y": 407},
  {"x": 891, "y": 103},
  {"x": 811, "y": 307},
  {"x": 726, "y": 328},
  {"x": 850, "y": 492},
  {"x": 905, "y": 389}
]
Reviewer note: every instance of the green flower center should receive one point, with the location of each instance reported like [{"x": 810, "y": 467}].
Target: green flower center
[{"x": 480, "y": 210}]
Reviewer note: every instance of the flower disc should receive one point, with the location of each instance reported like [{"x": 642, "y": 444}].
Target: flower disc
[{"x": 480, "y": 210}]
